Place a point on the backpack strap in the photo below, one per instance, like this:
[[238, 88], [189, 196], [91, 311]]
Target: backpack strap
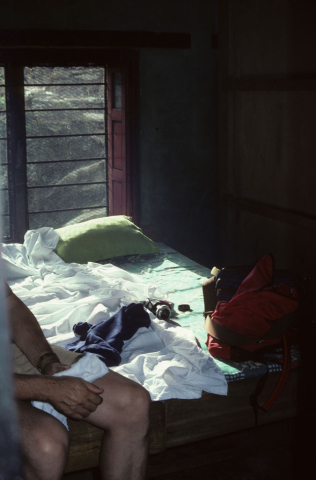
[[279, 387], [224, 334], [282, 324]]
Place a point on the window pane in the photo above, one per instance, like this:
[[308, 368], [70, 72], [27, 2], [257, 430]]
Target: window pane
[[1, 75], [4, 176], [71, 148], [5, 219], [73, 142], [117, 90], [2, 99], [59, 198], [3, 125], [74, 96], [5, 201], [61, 219], [64, 123], [5, 225], [3, 151], [68, 172], [58, 75]]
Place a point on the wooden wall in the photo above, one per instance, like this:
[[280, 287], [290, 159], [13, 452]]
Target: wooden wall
[[267, 135]]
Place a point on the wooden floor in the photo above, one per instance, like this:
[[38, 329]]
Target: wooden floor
[[265, 453]]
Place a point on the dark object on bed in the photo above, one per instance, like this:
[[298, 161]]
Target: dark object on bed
[[106, 339], [184, 307]]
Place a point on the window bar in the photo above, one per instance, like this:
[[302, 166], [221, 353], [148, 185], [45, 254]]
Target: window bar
[[16, 135], [62, 84], [64, 109], [69, 209], [67, 160], [66, 185], [67, 136], [106, 100]]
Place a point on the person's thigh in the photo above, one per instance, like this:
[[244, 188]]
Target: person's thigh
[[44, 441], [123, 399]]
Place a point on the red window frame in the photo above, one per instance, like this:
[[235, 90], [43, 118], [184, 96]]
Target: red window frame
[[118, 161], [122, 138]]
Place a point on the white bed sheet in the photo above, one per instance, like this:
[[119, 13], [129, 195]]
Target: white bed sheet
[[163, 358]]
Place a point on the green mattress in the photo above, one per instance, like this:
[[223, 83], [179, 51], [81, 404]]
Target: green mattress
[[178, 276], [181, 278]]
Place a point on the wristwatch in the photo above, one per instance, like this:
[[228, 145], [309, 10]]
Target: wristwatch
[[53, 359]]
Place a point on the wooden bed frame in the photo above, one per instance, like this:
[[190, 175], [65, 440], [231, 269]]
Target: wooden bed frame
[[177, 422], [181, 422]]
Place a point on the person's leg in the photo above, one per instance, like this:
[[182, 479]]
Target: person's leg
[[124, 415], [45, 443]]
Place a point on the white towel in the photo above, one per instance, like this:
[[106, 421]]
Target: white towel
[[89, 368]]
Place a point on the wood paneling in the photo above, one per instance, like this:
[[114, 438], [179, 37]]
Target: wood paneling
[[214, 415], [267, 141], [101, 39]]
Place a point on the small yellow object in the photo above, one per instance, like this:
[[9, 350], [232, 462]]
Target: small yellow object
[[215, 271]]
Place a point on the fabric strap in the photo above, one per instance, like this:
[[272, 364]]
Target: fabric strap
[[279, 387]]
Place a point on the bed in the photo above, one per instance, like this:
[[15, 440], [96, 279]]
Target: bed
[[209, 398]]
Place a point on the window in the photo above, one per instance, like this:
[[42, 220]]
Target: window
[[3, 158], [65, 148]]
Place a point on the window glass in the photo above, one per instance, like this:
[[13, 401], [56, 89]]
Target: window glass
[[66, 149], [117, 100], [59, 219], [2, 96], [5, 205], [60, 75], [64, 97], [3, 125], [65, 197], [3, 151], [65, 173], [63, 122], [2, 82]]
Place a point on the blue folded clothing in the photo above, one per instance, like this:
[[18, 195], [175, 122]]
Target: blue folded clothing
[[106, 339]]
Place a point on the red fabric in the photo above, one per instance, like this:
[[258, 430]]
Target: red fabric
[[222, 350], [259, 277], [253, 308]]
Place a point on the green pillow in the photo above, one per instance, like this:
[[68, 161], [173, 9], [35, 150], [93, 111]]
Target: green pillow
[[102, 238]]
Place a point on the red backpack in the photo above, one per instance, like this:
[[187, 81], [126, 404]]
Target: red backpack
[[261, 315]]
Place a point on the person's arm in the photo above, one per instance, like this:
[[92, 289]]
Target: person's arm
[[28, 336], [71, 396]]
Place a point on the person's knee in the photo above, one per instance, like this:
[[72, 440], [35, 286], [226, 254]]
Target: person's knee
[[136, 407], [54, 445], [48, 455]]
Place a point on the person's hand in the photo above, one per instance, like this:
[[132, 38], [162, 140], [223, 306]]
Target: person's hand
[[73, 396], [52, 368]]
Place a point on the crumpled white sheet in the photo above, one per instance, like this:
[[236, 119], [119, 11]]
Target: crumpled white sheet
[[89, 367], [163, 358]]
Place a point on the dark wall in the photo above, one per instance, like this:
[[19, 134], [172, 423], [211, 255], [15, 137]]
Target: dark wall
[[177, 107], [267, 69]]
